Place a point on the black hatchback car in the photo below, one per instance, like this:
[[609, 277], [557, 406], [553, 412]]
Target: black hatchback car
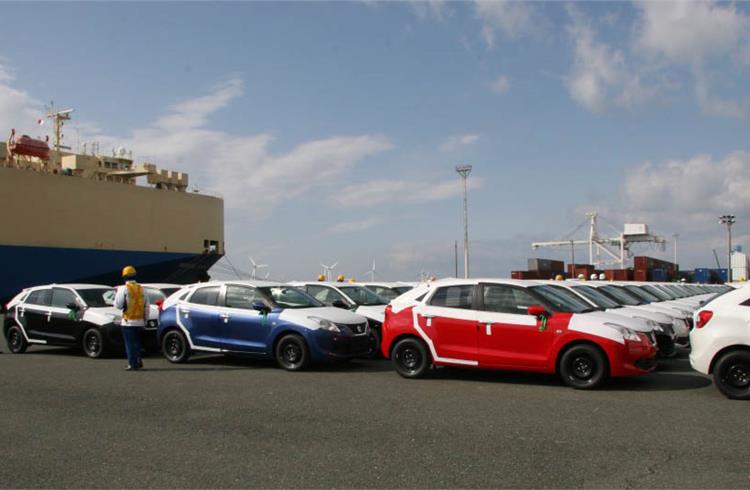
[[71, 315]]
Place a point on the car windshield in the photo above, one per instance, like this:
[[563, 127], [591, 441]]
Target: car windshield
[[362, 296], [574, 298], [597, 297], [642, 294], [97, 297], [560, 301], [658, 292], [621, 295], [290, 297], [384, 292], [154, 295]]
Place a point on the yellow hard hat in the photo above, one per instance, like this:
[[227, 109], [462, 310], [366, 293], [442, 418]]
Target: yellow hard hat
[[559, 277], [340, 278], [351, 279], [128, 270], [322, 277]]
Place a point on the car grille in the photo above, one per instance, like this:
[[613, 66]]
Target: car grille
[[352, 346], [357, 328], [667, 327]]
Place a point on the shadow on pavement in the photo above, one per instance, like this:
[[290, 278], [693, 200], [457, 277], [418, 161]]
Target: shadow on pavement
[[657, 381]]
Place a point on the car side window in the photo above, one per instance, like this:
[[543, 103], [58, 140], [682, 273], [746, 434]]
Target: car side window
[[454, 297], [501, 298], [61, 298], [206, 296], [242, 297], [41, 297]]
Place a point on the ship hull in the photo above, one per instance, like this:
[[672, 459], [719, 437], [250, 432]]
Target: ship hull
[[30, 266]]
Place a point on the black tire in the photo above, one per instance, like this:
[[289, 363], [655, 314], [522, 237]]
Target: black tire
[[374, 345], [292, 353], [93, 344], [667, 348], [583, 367], [732, 375], [16, 341], [411, 358], [175, 346]]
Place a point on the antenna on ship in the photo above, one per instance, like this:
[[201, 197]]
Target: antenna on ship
[[59, 118]]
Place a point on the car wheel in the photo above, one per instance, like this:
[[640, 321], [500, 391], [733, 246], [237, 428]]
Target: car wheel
[[93, 343], [292, 353], [583, 367], [175, 346], [410, 358], [16, 342], [732, 375], [667, 349], [374, 345]]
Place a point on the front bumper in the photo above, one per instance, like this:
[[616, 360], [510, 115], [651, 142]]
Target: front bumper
[[330, 346], [634, 358]]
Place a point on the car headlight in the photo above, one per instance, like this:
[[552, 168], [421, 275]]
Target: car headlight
[[626, 333], [651, 323], [325, 324]]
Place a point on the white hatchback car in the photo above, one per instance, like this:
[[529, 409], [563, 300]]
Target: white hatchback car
[[721, 342]]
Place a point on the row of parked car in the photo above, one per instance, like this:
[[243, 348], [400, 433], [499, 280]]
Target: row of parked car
[[585, 331]]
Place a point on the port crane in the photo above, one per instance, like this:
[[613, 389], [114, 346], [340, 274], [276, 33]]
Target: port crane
[[616, 249]]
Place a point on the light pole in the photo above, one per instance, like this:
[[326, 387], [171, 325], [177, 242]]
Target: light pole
[[728, 219], [464, 171], [675, 236]]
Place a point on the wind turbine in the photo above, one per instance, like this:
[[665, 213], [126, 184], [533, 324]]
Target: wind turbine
[[267, 275], [328, 270], [371, 272], [256, 267]]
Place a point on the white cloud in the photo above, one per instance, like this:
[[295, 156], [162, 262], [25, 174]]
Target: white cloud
[[243, 168], [431, 9], [686, 197], [354, 226], [511, 18], [401, 191], [600, 77], [457, 141], [18, 109], [693, 34], [689, 31], [501, 85]]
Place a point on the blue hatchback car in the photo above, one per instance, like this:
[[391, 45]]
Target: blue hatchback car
[[260, 319]]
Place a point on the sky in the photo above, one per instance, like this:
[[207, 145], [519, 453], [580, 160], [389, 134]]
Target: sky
[[332, 129]]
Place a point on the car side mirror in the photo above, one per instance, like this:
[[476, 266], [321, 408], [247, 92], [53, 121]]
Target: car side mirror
[[340, 304], [261, 307], [538, 310], [73, 306]]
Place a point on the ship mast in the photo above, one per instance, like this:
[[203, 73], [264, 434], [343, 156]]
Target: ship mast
[[58, 118]]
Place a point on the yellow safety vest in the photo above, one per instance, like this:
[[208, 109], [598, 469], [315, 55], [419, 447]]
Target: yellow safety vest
[[135, 308]]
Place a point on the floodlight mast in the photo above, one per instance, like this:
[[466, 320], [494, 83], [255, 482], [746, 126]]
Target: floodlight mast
[[464, 171], [729, 220]]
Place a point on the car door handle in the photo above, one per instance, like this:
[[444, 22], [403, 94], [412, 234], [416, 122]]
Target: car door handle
[[487, 327], [427, 316], [185, 311], [49, 316], [224, 316]]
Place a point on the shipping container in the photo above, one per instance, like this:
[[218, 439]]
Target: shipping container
[[641, 275], [619, 274]]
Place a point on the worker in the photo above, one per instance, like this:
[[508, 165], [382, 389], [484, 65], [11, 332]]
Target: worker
[[602, 276], [321, 277], [340, 278], [581, 277], [133, 303], [594, 277], [559, 277]]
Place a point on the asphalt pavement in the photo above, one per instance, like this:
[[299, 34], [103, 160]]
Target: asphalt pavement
[[69, 421]]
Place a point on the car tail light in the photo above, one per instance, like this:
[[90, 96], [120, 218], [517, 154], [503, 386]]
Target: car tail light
[[703, 317], [160, 304]]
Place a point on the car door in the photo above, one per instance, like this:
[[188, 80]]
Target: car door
[[244, 328], [200, 316], [35, 313], [61, 324], [508, 336], [448, 321]]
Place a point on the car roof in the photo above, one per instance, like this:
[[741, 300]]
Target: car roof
[[161, 285], [238, 282], [71, 286]]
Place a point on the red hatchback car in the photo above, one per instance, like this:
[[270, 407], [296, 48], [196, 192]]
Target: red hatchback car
[[506, 324]]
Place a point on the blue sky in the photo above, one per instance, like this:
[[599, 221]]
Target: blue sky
[[332, 129]]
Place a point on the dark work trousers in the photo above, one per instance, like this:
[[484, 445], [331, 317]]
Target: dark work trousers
[[132, 338]]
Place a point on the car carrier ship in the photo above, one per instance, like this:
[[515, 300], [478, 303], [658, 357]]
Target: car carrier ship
[[80, 217]]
